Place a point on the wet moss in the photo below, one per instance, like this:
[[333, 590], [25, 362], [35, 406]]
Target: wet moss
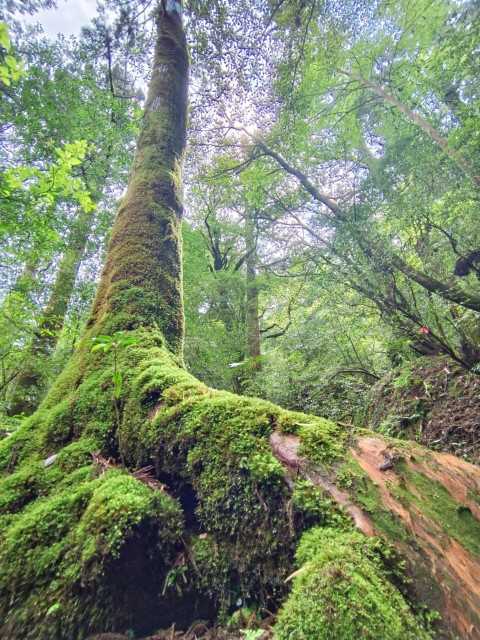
[[314, 506], [63, 526], [19, 488], [322, 441], [58, 425], [217, 442], [55, 553], [343, 591]]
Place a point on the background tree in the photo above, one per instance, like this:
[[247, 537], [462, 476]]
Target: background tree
[[105, 124]]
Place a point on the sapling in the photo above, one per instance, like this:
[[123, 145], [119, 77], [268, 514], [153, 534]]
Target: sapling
[[115, 342]]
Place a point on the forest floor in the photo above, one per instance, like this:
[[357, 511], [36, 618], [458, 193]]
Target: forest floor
[[434, 402], [198, 631]]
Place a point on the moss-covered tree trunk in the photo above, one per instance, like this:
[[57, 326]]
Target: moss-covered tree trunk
[[28, 389], [169, 501], [141, 281]]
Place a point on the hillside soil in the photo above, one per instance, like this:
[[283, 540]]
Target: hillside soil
[[435, 402]]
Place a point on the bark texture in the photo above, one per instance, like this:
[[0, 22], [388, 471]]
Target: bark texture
[[142, 277]]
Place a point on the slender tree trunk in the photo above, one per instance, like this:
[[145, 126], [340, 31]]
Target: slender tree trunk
[[252, 319], [28, 390]]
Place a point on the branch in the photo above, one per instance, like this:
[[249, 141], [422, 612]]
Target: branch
[[426, 127], [362, 371]]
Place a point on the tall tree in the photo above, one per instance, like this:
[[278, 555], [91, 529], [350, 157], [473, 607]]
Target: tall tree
[[212, 518]]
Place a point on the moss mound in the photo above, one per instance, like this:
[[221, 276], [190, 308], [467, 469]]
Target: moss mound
[[343, 591]]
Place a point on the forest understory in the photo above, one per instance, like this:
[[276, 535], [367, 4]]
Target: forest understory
[[434, 402]]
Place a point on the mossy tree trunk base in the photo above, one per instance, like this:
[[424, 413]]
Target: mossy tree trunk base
[[84, 551]]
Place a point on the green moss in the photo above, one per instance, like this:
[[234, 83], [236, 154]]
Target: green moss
[[475, 496], [69, 539], [211, 570], [118, 504], [322, 441], [57, 427], [291, 421], [218, 443], [181, 391], [70, 526], [367, 495], [73, 528], [315, 506], [344, 592], [436, 502], [19, 488]]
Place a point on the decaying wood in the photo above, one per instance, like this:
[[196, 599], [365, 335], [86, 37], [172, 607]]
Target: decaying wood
[[435, 555]]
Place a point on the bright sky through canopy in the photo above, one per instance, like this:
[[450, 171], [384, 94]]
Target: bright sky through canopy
[[68, 18]]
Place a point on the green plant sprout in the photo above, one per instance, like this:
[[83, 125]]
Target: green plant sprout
[[114, 342]]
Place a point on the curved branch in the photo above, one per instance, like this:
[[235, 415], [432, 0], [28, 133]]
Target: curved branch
[[424, 125]]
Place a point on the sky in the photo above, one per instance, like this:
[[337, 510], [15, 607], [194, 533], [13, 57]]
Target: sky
[[69, 17]]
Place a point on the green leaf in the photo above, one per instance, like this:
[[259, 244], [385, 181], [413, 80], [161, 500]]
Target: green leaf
[[103, 346], [10, 61], [4, 76], [4, 37], [54, 608]]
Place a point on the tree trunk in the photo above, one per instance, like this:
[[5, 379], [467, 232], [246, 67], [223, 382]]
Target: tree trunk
[[213, 490], [252, 320], [28, 390], [142, 276]]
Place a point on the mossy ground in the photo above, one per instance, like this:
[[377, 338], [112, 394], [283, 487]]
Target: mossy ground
[[224, 529]]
